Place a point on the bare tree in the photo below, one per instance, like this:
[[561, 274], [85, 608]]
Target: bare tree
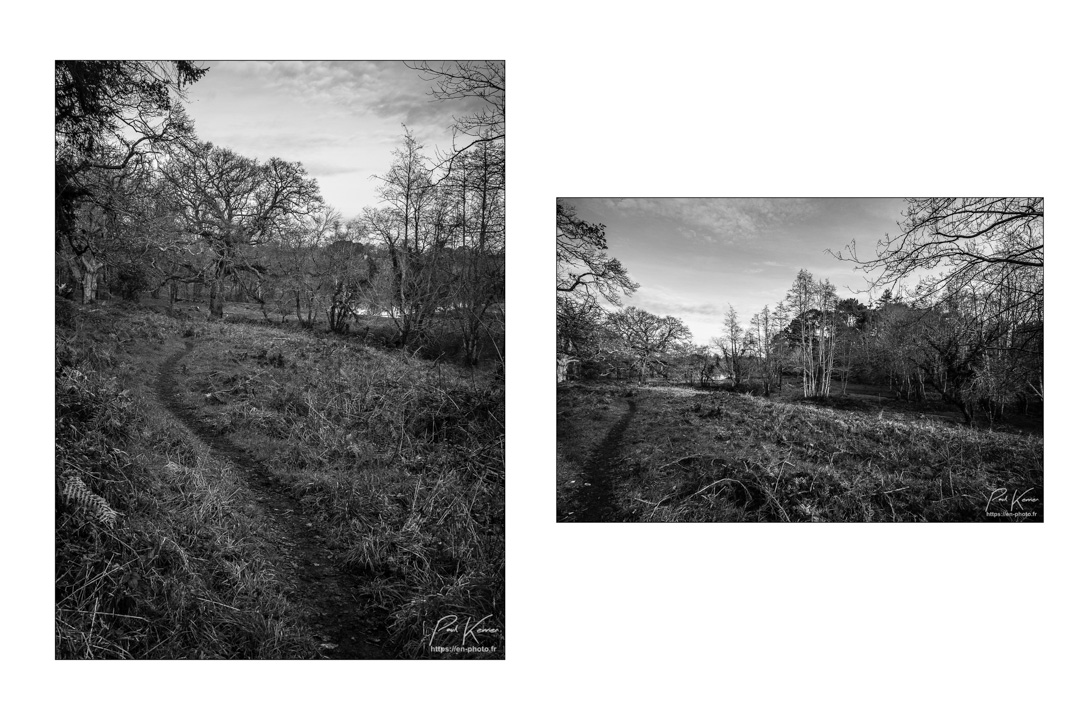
[[704, 363], [850, 322], [477, 257], [111, 229], [734, 345], [766, 327], [298, 274], [813, 329], [982, 351], [826, 299], [579, 327], [483, 81], [648, 336], [227, 202], [416, 226], [977, 264], [964, 238], [583, 265], [584, 274], [349, 271]]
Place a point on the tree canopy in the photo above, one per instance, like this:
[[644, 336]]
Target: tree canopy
[[648, 336], [225, 202], [109, 114]]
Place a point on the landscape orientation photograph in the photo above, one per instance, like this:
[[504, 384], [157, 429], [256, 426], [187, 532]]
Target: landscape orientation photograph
[[799, 360], [280, 360]]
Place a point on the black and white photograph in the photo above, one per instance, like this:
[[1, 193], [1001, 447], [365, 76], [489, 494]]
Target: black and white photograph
[[281, 428], [834, 360], [279, 359]]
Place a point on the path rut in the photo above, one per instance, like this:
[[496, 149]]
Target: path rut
[[595, 500], [330, 595]]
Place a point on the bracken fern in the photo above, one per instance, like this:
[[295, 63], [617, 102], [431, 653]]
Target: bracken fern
[[75, 493]]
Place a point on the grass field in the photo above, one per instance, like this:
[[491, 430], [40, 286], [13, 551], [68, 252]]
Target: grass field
[[222, 488], [443, 339], [678, 454]]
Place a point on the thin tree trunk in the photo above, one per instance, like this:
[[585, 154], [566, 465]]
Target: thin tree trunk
[[217, 299], [91, 273]]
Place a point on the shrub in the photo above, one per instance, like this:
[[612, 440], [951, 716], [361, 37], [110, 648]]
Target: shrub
[[130, 281]]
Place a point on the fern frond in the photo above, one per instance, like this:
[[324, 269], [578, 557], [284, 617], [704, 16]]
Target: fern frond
[[75, 492]]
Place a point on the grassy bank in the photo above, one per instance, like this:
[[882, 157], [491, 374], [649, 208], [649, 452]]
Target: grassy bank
[[689, 456], [399, 457], [163, 552], [155, 554]]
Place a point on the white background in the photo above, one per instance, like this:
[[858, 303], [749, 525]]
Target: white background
[[663, 99]]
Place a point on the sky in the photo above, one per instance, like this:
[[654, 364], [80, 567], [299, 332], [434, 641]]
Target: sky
[[342, 120], [694, 256]]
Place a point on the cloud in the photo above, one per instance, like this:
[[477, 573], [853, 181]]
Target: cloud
[[342, 120], [388, 90], [328, 169], [265, 137], [719, 220], [660, 301]]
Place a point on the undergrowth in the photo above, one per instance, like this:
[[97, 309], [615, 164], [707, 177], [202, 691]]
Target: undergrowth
[[399, 460], [400, 457], [690, 457], [154, 558]]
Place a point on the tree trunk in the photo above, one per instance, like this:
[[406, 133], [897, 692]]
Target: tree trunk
[[471, 345], [91, 273], [217, 299]]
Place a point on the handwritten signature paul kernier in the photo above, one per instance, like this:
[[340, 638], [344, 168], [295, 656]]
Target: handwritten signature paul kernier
[[452, 628], [1015, 501]]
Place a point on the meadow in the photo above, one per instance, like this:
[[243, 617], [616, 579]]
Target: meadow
[[253, 490], [679, 454]]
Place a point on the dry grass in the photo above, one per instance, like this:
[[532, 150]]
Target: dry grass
[[731, 457], [182, 571], [399, 459]]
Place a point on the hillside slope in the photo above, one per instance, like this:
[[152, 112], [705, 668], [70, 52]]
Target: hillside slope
[[240, 491]]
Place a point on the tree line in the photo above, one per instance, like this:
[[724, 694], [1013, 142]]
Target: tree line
[[144, 206], [966, 328]]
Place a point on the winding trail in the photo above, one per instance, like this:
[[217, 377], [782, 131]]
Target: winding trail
[[330, 596], [595, 500]]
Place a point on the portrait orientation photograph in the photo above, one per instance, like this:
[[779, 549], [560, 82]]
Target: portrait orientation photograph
[[279, 360], [799, 359]]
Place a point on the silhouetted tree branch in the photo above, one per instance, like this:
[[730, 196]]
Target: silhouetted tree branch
[[583, 265], [963, 238]]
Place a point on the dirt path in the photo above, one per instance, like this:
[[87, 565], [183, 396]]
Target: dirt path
[[595, 501], [329, 595]]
